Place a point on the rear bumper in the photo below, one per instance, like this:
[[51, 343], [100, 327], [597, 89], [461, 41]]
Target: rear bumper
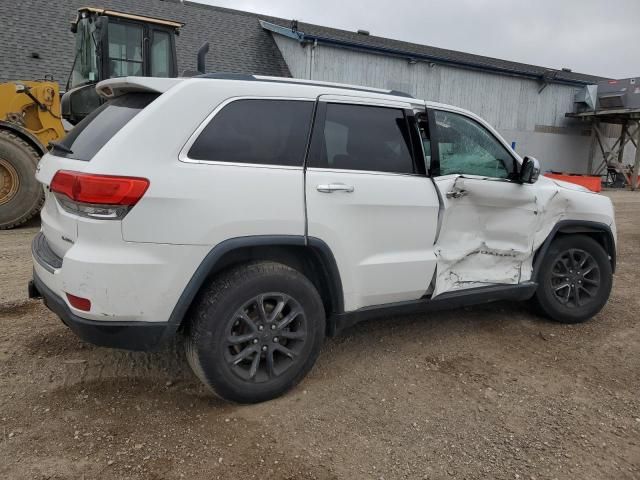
[[126, 282], [142, 336]]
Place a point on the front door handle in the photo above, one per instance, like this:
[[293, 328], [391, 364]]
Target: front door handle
[[457, 193], [335, 187]]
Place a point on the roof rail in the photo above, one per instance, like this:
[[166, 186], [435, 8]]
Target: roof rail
[[294, 81], [227, 76]]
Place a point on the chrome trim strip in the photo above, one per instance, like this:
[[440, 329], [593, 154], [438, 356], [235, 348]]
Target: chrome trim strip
[[364, 172]]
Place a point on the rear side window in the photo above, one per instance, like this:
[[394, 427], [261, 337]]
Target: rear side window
[[97, 128], [266, 132], [358, 137]]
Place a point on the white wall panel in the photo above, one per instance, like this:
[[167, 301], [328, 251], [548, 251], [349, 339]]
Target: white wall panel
[[512, 104]]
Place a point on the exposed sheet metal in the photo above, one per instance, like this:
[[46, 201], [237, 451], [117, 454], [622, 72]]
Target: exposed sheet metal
[[491, 233]]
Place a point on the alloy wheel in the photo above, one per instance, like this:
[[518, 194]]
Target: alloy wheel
[[575, 278], [265, 337]]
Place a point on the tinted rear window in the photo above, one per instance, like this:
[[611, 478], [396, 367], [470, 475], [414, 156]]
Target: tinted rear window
[[271, 132], [95, 130]]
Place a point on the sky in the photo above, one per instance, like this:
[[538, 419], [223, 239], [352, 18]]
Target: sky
[[597, 37]]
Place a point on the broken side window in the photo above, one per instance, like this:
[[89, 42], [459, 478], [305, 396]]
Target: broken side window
[[466, 147]]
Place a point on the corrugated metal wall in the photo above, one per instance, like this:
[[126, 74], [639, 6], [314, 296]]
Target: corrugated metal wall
[[535, 121]]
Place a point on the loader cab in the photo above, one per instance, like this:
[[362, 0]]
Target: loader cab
[[110, 44]]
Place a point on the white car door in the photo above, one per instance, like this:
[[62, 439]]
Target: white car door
[[369, 199], [489, 219]]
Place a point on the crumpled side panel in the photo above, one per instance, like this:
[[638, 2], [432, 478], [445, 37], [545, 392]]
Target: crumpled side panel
[[490, 235]]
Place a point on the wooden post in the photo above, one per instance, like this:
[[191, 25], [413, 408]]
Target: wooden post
[[636, 165], [592, 148], [623, 140]]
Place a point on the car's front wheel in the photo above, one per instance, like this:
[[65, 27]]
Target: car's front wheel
[[575, 279], [256, 332]]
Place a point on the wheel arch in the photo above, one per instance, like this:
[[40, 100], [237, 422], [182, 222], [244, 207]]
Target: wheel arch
[[600, 232], [312, 257], [25, 135]]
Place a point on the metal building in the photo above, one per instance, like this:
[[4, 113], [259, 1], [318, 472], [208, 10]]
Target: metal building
[[526, 103]]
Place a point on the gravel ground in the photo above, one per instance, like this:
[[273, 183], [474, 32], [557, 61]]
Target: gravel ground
[[491, 392]]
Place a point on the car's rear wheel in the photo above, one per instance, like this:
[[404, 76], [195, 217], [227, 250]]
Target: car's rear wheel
[[575, 279], [256, 332]]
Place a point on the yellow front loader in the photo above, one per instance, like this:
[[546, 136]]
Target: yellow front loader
[[108, 44], [29, 120]]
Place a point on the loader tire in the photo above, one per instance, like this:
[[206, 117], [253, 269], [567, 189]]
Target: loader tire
[[21, 196]]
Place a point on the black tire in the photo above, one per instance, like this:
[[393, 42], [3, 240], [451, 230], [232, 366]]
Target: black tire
[[575, 279], [21, 196], [216, 320]]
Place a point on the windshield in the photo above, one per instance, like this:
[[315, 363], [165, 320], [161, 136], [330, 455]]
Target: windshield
[[85, 69]]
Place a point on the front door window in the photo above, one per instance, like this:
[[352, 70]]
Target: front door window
[[467, 148]]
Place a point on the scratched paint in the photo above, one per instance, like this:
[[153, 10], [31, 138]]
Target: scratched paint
[[490, 234]]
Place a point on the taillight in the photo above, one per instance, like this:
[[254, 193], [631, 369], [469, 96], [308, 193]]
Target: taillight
[[97, 196]]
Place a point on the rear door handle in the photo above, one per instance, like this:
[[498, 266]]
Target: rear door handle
[[335, 187], [457, 193]]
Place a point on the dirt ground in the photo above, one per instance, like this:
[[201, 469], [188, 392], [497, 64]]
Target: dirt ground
[[490, 392]]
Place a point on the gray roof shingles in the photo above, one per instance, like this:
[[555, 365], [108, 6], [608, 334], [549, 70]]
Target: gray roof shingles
[[237, 41], [435, 52]]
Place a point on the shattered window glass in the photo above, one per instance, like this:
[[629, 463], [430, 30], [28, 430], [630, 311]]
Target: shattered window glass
[[468, 148]]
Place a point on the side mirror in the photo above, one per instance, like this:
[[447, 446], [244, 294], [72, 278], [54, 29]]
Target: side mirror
[[529, 171]]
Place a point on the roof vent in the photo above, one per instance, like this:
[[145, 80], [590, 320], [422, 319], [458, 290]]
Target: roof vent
[[565, 69], [363, 32]]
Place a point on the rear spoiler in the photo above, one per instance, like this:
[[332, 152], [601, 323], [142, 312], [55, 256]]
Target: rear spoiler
[[114, 87]]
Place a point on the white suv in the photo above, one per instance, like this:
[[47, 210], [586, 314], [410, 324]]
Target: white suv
[[256, 215]]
